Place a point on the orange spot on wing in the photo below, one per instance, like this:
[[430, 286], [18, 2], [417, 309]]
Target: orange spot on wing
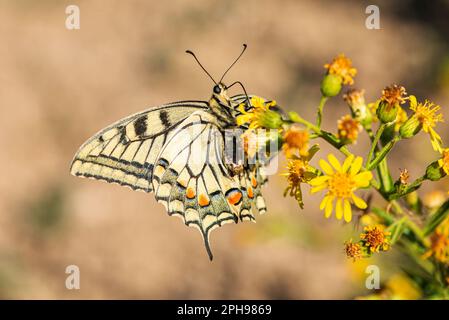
[[253, 182], [190, 193], [159, 171], [234, 197], [250, 192], [203, 200]]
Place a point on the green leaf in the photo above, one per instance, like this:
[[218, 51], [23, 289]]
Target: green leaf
[[312, 151], [437, 218]]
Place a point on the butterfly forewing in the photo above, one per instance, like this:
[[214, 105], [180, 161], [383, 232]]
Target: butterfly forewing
[[125, 151]]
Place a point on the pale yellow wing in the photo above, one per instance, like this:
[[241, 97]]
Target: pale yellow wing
[[125, 152]]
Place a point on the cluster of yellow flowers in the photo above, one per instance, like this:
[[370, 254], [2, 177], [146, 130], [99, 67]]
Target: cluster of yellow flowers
[[394, 116], [373, 239]]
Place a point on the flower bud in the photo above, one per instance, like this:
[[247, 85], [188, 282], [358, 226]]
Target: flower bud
[[356, 101], [387, 112], [271, 120], [410, 128], [434, 172], [331, 85]]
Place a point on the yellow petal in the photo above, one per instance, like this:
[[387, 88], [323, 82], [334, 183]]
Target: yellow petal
[[435, 140], [338, 210], [359, 202], [334, 162], [413, 102], [324, 202], [347, 163], [363, 179], [318, 188], [347, 212], [318, 180], [327, 169], [243, 119], [356, 165], [329, 207]]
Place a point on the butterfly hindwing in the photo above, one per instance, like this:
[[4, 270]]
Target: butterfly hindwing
[[192, 181], [125, 151]]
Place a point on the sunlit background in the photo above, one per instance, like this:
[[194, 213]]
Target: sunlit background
[[58, 87]]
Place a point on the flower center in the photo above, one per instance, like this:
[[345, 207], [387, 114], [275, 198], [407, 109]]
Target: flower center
[[375, 238], [341, 185]]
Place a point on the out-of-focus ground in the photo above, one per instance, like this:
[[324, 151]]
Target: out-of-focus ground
[[58, 87]]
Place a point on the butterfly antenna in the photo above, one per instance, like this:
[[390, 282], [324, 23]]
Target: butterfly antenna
[[194, 56], [235, 61]]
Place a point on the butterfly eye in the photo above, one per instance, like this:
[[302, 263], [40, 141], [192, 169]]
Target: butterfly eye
[[217, 89]]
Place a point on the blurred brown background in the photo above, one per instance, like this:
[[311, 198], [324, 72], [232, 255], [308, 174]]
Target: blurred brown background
[[58, 87]]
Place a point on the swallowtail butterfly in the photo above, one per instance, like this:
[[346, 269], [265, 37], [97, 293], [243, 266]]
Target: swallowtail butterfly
[[176, 151]]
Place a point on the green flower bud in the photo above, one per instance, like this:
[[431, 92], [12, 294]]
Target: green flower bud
[[410, 128], [270, 120], [331, 85], [387, 112], [434, 172]]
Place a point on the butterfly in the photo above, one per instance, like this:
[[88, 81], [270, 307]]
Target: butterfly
[[177, 151]]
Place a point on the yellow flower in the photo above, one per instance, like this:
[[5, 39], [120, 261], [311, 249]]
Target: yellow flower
[[400, 119], [401, 287], [348, 129], [368, 219], [372, 107], [353, 250], [341, 181], [444, 161], [393, 95], [342, 67], [260, 115], [427, 115], [434, 199], [390, 103], [439, 247], [295, 139], [298, 171], [375, 238]]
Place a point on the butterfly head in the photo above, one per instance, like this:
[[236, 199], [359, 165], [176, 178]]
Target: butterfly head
[[220, 94]]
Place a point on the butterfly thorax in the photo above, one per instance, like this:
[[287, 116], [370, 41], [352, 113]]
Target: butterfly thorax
[[220, 106]]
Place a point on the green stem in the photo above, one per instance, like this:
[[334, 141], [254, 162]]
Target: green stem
[[410, 188], [379, 132], [419, 234], [407, 248], [329, 137], [320, 111], [382, 154], [385, 177]]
